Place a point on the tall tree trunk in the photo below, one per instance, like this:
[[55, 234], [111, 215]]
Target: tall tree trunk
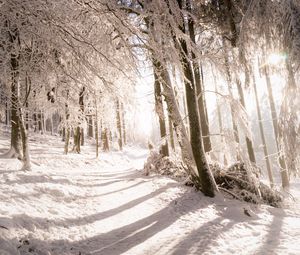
[[119, 124], [90, 124], [248, 140], [96, 127], [27, 88], [78, 131], [81, 106], [160, 112], [220, 122], [77, 135], [229, 84], [262, 134], [179, 127], [283, 169], [15, 142], [7, 113], [67, 140], [67, 129], [208, 185], [171, 134], [200, 92], [24, 136], [105, 140], [123, 124]]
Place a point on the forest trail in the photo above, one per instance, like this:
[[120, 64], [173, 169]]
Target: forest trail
[[76, 204]]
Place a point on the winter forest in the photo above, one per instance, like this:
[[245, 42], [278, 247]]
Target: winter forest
[[149, 127]]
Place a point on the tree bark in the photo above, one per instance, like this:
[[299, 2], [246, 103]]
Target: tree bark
[[160, 112], [90, 124], [77, 135], [123, 124], [96, 127], [179, 127], [105, 140], [119, 124], [248, 140], [283, 169], [171, 134], [208, 185], [15, 141], [262, 134], [24, 136], [220, 122], [67, 129], [200, 93], [229, 84]]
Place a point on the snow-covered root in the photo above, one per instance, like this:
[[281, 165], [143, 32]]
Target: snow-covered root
[[11, 153], [26, 166]]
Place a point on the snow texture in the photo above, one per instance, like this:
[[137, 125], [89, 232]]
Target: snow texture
[[76, 204]]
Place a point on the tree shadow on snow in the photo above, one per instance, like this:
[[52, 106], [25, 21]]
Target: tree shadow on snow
[[89, 219], [122, 239], [272, 239]]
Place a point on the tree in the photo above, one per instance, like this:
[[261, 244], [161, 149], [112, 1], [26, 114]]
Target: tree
[[159, 108]]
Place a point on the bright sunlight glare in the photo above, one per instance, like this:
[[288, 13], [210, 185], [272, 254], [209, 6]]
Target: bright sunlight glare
[[276, 58]]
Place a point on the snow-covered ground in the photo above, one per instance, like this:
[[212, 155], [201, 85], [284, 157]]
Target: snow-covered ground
[[76, 204]]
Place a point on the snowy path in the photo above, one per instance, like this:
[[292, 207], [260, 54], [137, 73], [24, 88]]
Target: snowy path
[[78, 205]]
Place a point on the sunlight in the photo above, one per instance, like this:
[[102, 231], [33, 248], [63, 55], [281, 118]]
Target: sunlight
[[276, 58]]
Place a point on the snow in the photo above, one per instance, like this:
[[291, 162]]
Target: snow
[[76, 204]]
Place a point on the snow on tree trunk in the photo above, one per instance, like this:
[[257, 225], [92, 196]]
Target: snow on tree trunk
[[119, 124], [248, 140], [15, 142], [283, 169], [262, 134], [171, 133], [159, 108], [208, 185], [123, 123], [200, 92], [105, 140], [24, 136]]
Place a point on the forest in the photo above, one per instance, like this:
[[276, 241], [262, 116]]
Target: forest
[[149, 127]]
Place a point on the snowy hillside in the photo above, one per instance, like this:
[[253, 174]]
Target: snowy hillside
[[76, 204]]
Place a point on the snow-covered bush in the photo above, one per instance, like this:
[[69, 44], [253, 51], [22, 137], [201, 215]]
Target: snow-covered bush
[[165, 166], [238, 181]]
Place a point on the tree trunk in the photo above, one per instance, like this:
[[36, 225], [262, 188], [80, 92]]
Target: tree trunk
[[81, 106], [105, 140], [27, 88], [15, 142], [200, 92], [67, 129], [90, 129], [119, 124], [77, 135], [179, 127], [123, 124], [262, 134], [25, 146], [229, 84], [208, 185], [171, 134], [67, 140], [248, 140], [283, 169], [96, 127], [7, 113], [82, 136], [160, 112], [220, 122]]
